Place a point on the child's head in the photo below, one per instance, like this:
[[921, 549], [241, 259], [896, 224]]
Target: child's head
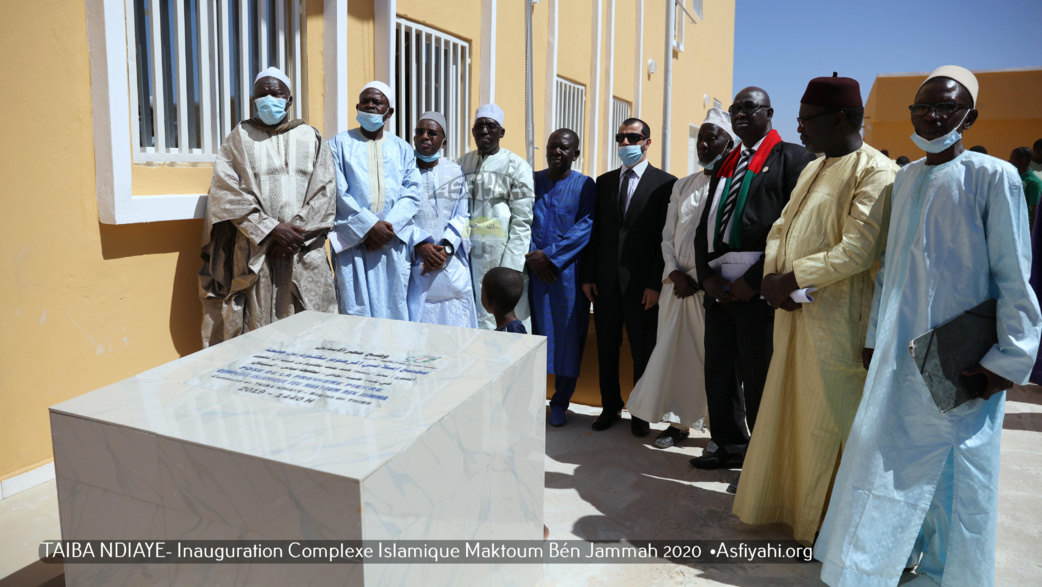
[[501, 288]]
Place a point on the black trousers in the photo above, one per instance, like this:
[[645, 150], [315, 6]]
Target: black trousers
[[613, 310], [739, 343]]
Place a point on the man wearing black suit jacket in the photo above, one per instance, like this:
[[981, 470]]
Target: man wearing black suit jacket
[[622, 270], [751, 189]]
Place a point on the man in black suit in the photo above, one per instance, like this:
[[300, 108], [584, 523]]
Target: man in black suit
[[748, 194], [622, 271]]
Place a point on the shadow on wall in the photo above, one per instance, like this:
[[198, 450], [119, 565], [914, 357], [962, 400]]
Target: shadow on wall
[[155, 238]]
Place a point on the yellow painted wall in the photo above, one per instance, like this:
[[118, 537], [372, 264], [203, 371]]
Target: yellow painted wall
[[88, 304], [1007, 118]]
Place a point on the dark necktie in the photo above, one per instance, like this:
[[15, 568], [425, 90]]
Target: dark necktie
[[624, 191], [732, 195]]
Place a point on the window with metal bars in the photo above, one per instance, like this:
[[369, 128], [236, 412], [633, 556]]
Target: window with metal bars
[[191, 68], [432, 74], [570, 111], [620, 110]]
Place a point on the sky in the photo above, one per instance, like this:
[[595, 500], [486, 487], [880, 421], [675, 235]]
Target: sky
[[781, 45]]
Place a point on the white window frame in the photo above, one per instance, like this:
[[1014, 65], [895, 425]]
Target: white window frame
[[451, 97], [110, 98], [215, 83], [570, 111], [681, 11], [620, 110]]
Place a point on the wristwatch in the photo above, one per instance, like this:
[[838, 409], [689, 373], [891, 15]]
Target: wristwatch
[[449, 249]]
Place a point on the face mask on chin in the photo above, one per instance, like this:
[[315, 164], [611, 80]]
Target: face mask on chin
[[370, 121], [940, 144], [711, 164], [428, 158]]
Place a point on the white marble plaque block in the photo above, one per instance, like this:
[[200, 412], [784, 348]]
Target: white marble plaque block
[[318, 427]]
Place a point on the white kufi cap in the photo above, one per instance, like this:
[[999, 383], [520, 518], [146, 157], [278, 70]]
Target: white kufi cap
[[382, 88], [436, 117], [959, 74], [490, 111], [722, 119], [275, 73]]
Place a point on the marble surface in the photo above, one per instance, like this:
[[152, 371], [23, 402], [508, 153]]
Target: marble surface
[[456, 455]]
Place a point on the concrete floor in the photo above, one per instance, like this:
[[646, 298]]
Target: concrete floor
[[609, 486]]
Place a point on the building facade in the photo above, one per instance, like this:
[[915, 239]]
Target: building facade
[[117, 108]]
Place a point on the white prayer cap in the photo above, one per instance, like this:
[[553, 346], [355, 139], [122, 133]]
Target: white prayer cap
[[380, 87], [490, 111], [275, 73], [436, 117], [959, 74], [722, 119]]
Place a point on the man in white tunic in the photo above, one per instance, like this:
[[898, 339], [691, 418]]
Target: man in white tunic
[[672, 388], [913, 481], [269, 209], [440, 290], [378, 193], [502, 196]]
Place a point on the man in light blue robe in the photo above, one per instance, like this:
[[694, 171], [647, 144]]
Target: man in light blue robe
[[440, 289], [564, 204], [378, 193], [917, 487]]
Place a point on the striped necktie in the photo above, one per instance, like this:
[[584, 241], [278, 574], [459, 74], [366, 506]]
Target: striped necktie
[[732, 195]]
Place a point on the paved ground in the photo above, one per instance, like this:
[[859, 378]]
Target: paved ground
[[609, 486]]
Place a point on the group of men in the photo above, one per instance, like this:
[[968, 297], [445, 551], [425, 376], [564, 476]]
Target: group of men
[[775, 291]]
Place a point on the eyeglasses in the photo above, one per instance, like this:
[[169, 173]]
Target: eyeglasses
[[942, 109], [632, 137], [423, 132], [801, 120], [747, 107], [489, 126]]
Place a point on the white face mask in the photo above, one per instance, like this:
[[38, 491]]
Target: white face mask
[[711, 164], [940, 143]]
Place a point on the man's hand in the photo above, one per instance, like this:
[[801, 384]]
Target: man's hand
[[379, 235], [683, 285], [590, 289], [541, 266], [789, 306], [741, 290], [714, 286], [995, 384], [649, 299], [777, 288], [288, 236], [866, 357], [433, 256]]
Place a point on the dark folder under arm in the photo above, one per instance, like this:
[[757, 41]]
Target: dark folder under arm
[[958, 345]]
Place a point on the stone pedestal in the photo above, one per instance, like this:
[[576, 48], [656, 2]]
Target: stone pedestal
[[317, 427]]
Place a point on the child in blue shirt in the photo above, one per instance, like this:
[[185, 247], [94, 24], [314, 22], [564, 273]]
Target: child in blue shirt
[[501, 288]]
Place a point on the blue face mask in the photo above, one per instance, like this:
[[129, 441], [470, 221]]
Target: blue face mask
[[270, 110], [428, 158], [369, 121], [940, 143], [711, 164], [630, 154]]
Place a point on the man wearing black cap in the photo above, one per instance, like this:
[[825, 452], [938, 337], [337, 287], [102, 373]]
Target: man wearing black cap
[[745, 198], [828, 239]]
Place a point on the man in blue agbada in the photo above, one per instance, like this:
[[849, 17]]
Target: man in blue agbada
[[378, 193], [564, 203], [917, 487]]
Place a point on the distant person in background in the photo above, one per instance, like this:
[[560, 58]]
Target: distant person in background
[[501, 288], [269, 209], [902, 161], [378, 194], [1021, 159], [979, 149], [501, 201], [1036, 158], [885, 152], [440, 289], [673, 387], [917, 487], [561, 227]]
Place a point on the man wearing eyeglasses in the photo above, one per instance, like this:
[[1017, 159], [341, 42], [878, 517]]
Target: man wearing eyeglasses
[[747, 195], [502, 196], [917, 487], [622, 265], [824, 251]]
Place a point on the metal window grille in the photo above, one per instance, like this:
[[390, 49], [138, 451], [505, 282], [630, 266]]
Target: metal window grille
[[433, 73], [571, 111], [191, 67], [620, 110]]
